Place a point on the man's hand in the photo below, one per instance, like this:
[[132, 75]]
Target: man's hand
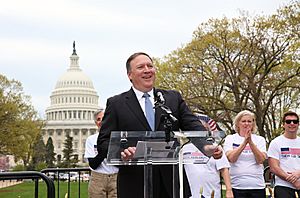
[[218, 153], [229, 193], [128, 153], [297, 185], [292, 177]]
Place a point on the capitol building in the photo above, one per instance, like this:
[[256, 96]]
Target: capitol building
[[73, 103]]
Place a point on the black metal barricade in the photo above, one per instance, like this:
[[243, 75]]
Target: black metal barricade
[[31, 175], [57, 172]]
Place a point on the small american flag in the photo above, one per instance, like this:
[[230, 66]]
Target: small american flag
[[247, 148], [193, 154], [234, 145], [212, 124], [293, 151]]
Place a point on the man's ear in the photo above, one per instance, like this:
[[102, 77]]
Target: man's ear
[[129, 76]]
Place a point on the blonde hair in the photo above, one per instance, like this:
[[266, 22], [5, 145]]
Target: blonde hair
[[239, 116]]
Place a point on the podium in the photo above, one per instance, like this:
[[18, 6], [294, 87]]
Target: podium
[[153, 148]]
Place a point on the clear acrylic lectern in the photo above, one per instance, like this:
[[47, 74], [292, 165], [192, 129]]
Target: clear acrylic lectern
[[152, 148]]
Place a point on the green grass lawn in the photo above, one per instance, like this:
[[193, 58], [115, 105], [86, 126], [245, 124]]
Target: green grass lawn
[[26, 190]]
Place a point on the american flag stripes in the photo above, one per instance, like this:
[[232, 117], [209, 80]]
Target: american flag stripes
[[212, 124], [292, 151]]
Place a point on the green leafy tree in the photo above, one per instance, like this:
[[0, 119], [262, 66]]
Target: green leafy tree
[[68, 152], [244, 63], [50, 154], [38, 154], [40, 166], [31, 132], [20, 126], [19, 167]]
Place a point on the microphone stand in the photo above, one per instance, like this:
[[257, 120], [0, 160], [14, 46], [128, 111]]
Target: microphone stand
[[167, 118]]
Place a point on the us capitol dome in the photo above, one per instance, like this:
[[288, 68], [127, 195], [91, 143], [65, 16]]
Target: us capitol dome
[[73, 103]]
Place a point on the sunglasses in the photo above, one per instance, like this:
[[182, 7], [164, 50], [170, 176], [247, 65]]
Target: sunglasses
[[99, 119], [290, 121]]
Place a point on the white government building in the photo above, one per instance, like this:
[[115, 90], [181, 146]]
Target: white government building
[[73, 103]]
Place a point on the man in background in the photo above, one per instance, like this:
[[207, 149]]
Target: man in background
[[284, 158], [103, 180]]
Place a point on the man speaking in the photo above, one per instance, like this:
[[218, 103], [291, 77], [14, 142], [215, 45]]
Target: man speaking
[[133, 111]]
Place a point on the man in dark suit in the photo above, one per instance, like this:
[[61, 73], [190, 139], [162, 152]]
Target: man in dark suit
[[126, 112]]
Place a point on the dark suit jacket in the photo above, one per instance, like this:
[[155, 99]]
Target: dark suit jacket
[[123, 113]]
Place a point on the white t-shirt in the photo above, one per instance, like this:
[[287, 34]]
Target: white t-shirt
[[245, 173], [91, 151], [287, 151], [207, 175]]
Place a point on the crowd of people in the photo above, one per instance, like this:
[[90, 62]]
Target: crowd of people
[[239, 162]]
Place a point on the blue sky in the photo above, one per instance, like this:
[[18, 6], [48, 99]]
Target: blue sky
[[36, 37]]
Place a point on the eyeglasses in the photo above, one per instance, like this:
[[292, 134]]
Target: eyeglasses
[[98, 119], [290, 121]]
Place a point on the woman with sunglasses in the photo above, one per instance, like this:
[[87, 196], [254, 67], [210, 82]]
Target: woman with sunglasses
[[246, 153], [284, 158]]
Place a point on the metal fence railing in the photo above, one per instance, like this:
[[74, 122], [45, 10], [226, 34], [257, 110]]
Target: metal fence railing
[[57, 176], [34, 176]]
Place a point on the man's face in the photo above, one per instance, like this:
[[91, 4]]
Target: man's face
[[142, 73], [289, 125], [99, 119]]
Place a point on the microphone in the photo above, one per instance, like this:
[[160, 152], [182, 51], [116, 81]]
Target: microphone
[[160, 97]]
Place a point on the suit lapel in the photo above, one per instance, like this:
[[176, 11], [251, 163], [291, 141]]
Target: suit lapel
[[136, 109]]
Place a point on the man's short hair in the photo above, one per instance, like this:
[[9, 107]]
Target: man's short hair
[[133, 56], [96, 113], [289, 113]]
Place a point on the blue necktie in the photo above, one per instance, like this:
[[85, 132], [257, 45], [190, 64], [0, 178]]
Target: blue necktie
[[149, 111]]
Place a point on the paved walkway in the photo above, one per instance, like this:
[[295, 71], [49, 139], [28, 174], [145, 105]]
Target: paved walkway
[[6, 183]]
